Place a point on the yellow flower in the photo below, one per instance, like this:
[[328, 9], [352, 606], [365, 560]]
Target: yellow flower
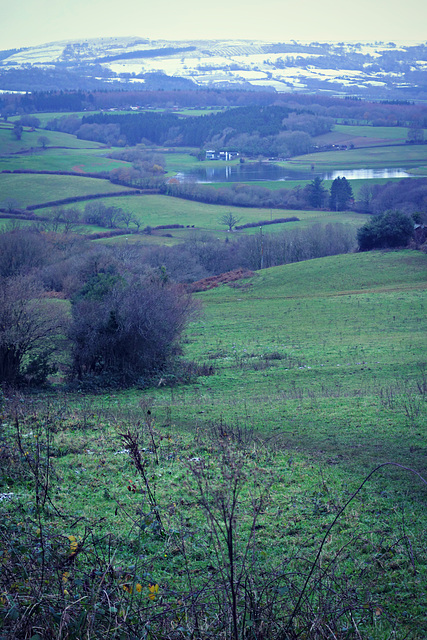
[[138, 587]]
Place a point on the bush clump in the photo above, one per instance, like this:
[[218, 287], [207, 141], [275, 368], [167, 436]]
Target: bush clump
[[127, 331], [387, 231]]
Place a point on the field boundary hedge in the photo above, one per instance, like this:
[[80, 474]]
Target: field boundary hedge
[[263, 223], [98, 176], [17, 214], [93, 196]]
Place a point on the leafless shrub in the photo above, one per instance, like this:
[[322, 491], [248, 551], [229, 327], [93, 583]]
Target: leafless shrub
[[65, 587], [30, 329], [220, 494], [406, 396]]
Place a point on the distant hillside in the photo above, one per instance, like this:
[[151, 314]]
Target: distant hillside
[[366, 70]]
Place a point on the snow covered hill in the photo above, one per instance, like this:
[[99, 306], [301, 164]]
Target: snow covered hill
[[379, 70]]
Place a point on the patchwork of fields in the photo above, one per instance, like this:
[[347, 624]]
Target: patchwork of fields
[[311, 375]]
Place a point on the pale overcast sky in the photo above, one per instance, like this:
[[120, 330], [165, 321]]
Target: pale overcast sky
[[30, 22]]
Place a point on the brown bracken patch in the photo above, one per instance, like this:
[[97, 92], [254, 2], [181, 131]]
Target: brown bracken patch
[[223, 278]]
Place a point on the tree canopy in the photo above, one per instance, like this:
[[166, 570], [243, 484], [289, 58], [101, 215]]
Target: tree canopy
[[341, 194], [389, 230]]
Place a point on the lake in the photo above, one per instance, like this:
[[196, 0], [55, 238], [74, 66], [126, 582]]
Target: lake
[[260, 171]]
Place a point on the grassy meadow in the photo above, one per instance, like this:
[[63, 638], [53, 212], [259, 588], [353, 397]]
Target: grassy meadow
[[53, 159], [30, 140], [364, 136], [29, 189], [45, 117], [318, 375], [399, 156], [156, 210]]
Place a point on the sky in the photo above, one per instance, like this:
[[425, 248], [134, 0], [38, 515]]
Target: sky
[[25, 23]]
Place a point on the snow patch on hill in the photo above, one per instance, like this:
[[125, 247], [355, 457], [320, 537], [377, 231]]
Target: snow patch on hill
[[282, 66]]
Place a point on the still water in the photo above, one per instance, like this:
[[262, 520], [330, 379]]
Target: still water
[[254, 171]]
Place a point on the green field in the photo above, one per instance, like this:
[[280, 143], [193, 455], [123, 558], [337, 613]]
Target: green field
[[45, 117], [359, 291], [378, 133], [319, 376], [156, 210], [408, 156], [363, 136], [78, 160], [28, 189], [8, 223], [29, 141]]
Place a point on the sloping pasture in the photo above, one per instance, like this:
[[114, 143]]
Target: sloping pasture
[[156, 210], [30, 189], [400, 156], [29, 140], [363, 136], [50, 159], [318, 376]]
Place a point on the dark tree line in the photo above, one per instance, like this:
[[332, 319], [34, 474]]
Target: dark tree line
[[390, 113], [408, 195], [253, 130], [169, 128], [202, 255], [314, 194], [241, 195]]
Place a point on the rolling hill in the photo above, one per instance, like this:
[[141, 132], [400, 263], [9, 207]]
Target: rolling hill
[[368, 70]]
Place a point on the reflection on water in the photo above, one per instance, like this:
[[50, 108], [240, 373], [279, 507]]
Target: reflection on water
[[254, 171], [367, 174]]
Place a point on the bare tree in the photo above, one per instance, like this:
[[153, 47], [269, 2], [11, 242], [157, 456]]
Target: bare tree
[[30, 327], [10, 204], [22, 250], [43, 141], [229, 219], [63, 219], [97, 213], [129, 218], [416, 132]]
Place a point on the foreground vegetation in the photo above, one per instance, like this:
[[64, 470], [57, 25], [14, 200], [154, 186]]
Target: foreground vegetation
[[226, 508]]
